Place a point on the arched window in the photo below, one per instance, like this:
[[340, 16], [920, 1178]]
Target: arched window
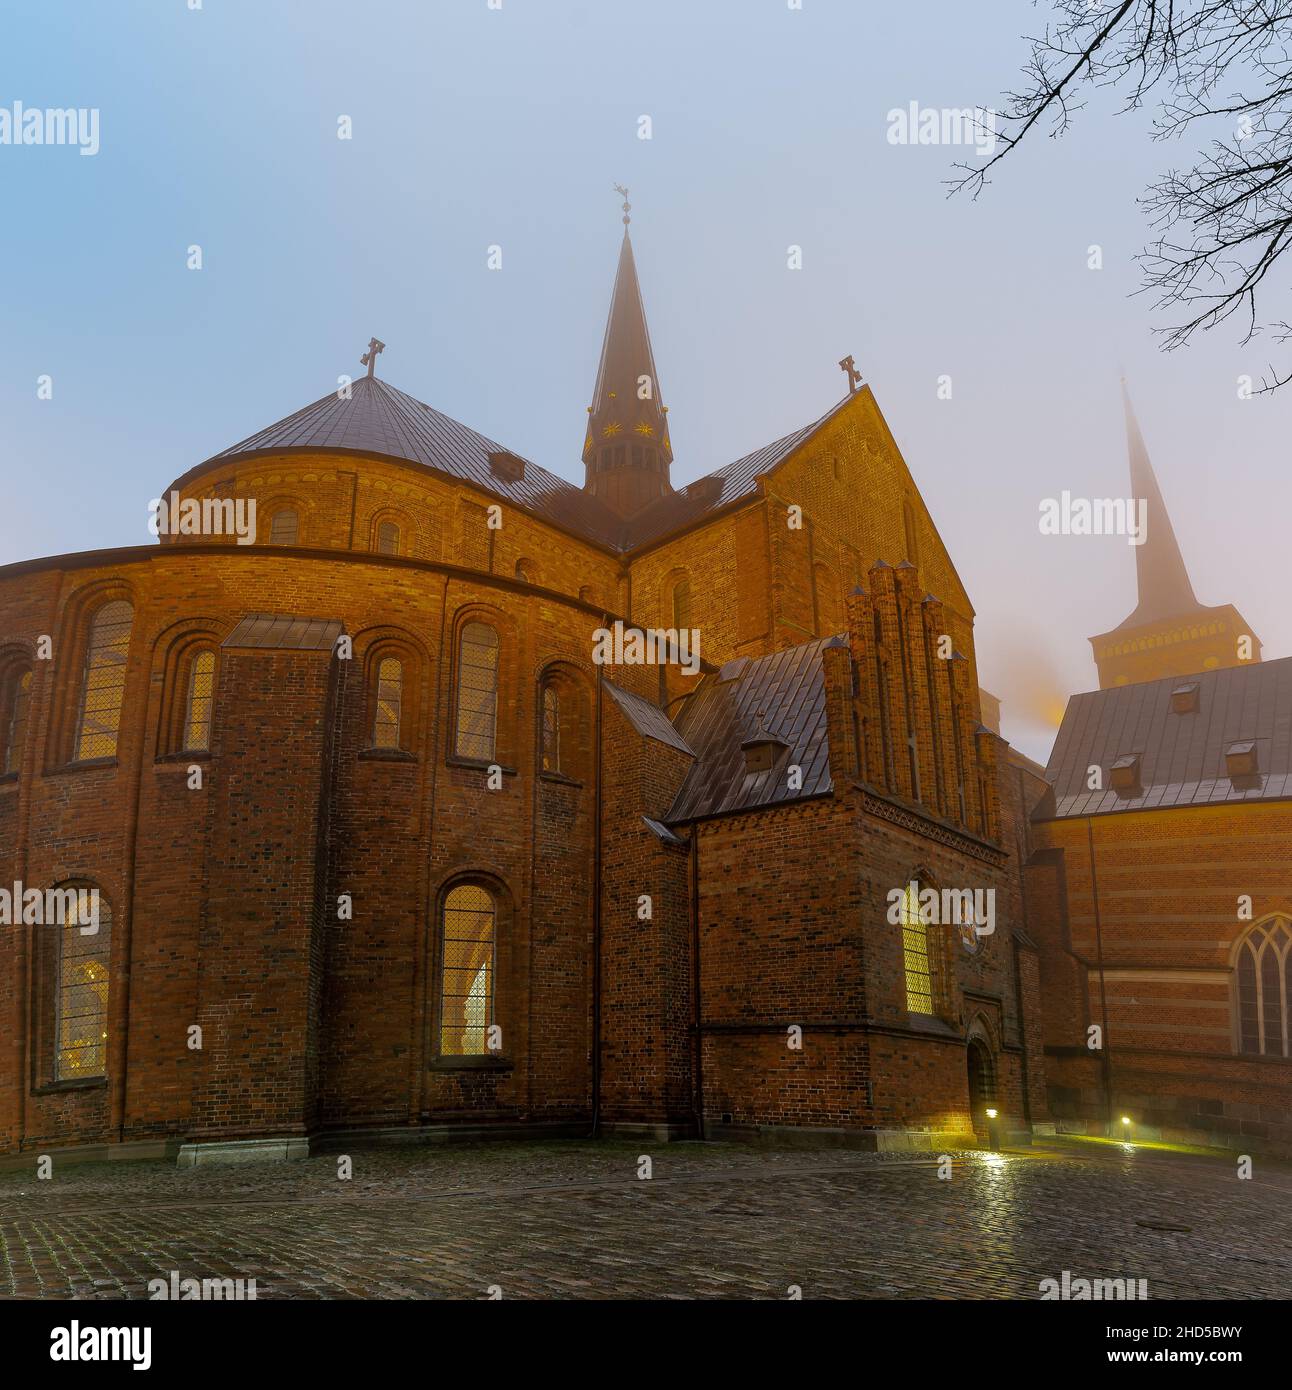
[[104, 684], [284, 527], [389, 696], [477, 692], [199, 702], [682, 603], [17, 704], [916, 953], [1264, 989], [81, 993], [527, 571], [388, 538], [467, 971], [551, 729]]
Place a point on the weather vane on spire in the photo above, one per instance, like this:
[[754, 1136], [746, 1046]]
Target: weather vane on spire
[[619, 188]]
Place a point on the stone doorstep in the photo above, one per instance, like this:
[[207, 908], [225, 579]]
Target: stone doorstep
[[132, 1151], [228, 1151]]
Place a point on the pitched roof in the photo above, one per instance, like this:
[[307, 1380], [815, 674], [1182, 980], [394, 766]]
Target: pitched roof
[[382, 421], [379, 419], [649, 720], [782, 695], [1181, 756]]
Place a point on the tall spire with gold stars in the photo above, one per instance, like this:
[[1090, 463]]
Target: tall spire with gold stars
[[626, 448]]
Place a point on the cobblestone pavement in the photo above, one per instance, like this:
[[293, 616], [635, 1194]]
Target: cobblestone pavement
[[562, 1220]]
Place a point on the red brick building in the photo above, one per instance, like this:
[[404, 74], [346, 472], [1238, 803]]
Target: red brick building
[[1160, 886], [380, 847]]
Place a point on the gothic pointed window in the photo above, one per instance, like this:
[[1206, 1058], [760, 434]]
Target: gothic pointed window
[[467, 971], [284, 527], [916, 954], [387, 703], [1263, 972], [199, 703], [388, 538], [17, 705], [104, 682], [551, 729], [81, 990], [477, 721]]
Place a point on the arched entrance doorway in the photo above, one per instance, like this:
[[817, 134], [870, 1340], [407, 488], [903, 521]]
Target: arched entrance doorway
[[982, 1082]]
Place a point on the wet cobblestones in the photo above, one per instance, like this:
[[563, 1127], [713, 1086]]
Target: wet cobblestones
[[573, 1220]]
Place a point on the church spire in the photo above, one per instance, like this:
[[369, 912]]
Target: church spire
[[1170, 633], [626, 449], [1164, 587]]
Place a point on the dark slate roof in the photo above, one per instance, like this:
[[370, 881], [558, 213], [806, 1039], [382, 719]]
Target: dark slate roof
[[380, 420], [649, 720], [283, 631], [1181, 756], [783, 695]]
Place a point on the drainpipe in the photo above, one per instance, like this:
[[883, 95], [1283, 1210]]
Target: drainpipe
[[698, 1091], [1105, 1053], [596, 916]]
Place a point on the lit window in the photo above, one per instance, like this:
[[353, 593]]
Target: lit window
[[682, 604], [388, 538], [16, 735], [81, 1024], [477, 692], [284, 528], [466, 972], [390, 688], [105, 681], [200, 702], [915, 949], [551, 730], [1264, 973]]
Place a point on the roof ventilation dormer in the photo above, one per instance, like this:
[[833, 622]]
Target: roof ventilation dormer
[[1241, 762], [762, 749], [1184, 698], [504, 464], [1125, 775]]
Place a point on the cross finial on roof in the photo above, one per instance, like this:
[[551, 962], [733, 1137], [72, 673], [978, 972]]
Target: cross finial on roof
[[854, 376], [619, 188], [369, 358]]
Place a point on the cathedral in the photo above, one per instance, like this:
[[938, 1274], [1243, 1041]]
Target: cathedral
[[390, 840]]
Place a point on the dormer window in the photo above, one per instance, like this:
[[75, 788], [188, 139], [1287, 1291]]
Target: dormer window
[[1184, 698], [762, 751], [1126, 774], [1241, 760], [507, 465]]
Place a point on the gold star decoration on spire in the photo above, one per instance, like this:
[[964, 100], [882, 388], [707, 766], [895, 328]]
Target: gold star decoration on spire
[[610, 430], [643, 428]]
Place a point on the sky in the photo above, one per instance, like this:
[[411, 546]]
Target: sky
[[475, 126]]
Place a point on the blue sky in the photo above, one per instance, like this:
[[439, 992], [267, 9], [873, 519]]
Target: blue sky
[[474, 126]]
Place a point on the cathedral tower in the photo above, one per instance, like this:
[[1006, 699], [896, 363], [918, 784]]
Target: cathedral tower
[[1170, 633], [626, 449]]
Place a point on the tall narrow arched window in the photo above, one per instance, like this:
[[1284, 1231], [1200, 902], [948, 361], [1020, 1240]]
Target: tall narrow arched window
[[467, 971], [916, 954], [388, 538], [682, 603], [284, 527], [387, 703], [81, 988], [477, 692], [199, 702], [551, 729], [104, 683], [1264, 989], [17, 705], [912, 533]]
